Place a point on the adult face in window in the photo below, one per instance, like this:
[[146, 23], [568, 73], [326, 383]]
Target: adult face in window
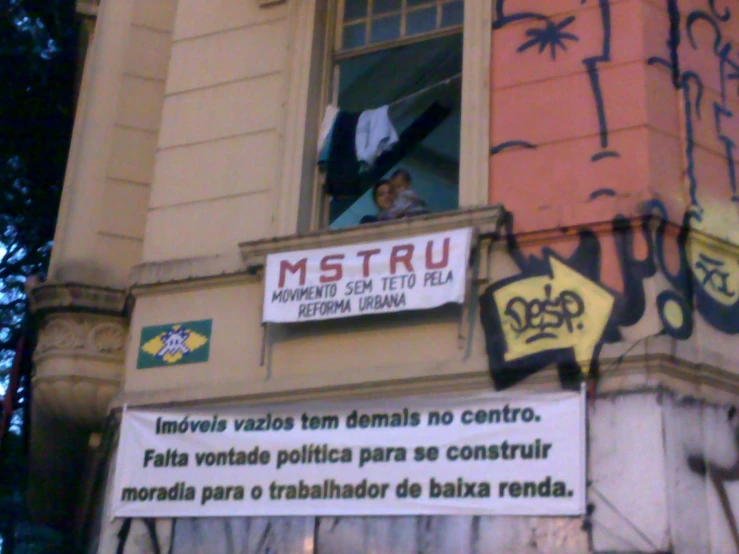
[[383, 196]]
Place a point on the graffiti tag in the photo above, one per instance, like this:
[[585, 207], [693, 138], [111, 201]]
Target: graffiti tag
[[547, 316], [562, 310], [713, 275]]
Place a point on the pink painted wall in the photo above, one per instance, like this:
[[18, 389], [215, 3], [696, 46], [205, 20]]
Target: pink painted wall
[[612, 148], [607, 108], [605, 120]]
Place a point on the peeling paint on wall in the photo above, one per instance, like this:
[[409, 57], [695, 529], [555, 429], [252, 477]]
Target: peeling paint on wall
[[702, 453]]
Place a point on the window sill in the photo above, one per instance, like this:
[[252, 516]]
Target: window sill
[[485, 220]]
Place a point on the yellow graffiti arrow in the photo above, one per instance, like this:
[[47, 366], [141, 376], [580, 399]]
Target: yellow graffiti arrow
[[564, 310]]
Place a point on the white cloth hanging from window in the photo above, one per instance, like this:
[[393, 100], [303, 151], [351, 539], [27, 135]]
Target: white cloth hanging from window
[[375, 134]]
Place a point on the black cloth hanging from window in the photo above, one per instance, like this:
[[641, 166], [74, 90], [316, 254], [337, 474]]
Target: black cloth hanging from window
[[342, 170]]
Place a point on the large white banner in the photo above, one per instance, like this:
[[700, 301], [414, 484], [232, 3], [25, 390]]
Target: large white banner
[[474, 454], [378, 277]]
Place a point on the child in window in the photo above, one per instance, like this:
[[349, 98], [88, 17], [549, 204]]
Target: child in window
[[407, 201]]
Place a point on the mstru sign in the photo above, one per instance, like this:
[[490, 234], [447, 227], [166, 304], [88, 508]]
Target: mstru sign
[[390, 276]]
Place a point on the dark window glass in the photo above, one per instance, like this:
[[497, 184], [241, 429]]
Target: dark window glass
[[421, 21], [452, 14], [354, 9], [354, 35], [385, 6], [385, 28]]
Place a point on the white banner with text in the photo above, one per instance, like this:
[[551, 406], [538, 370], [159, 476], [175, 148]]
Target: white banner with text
[[493, 453], [379, 277]]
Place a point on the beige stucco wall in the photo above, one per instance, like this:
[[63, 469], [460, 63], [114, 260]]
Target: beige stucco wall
[[218, 149], [335, 353], [197, 129], [103, 210]]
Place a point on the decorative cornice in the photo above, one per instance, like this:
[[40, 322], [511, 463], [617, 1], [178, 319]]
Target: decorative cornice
[[73, 297], [59, 334], [107, 338], [81, 334], [78, 365], [630, 374], [184, 270]]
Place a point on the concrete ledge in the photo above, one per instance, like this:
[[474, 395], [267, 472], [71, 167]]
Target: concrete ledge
[[485, 220], [72, 297], [184, 270], [631, 374]]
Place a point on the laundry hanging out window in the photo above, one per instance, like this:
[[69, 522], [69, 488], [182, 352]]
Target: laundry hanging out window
[[367, 22], [405, 55]]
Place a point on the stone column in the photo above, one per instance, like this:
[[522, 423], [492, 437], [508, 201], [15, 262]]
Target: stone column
[[82, 204]]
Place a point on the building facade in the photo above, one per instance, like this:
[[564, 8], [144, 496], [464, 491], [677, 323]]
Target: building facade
[[587, 144]]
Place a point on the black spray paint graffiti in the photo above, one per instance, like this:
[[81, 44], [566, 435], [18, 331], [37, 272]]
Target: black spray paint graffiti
[[703, 276], [551, 36], [564, 299], [719, 477], [578, 320], [712, 289], [691, 84], [695, 284], [151, 530], [545, 316], [714, 275]]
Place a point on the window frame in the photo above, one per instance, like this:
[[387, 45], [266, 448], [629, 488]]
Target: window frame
[[299, 198], [402, 40]]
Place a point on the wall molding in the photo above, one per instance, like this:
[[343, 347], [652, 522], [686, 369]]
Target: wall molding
[[54, 296], [80, 350], [634, 374]]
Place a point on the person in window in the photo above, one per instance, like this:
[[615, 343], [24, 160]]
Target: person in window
[[407, 202], [382, 194]]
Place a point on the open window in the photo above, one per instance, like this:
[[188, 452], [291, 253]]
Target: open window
[[406, 56]]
